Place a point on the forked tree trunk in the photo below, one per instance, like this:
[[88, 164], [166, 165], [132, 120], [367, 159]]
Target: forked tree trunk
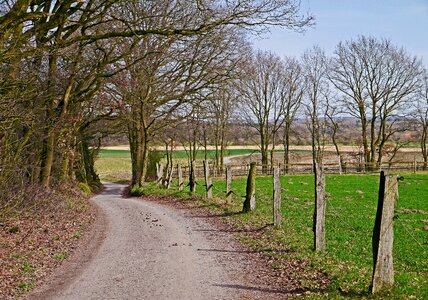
[[287, 146]]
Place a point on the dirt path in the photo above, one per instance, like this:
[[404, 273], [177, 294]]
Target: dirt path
[[152, 251]]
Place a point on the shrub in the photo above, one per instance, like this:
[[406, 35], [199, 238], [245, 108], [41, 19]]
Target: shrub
[[154, 157], [136, 190]]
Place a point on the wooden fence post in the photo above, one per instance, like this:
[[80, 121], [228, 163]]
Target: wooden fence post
[[383, 233], [320, 208], [276, 198], [169, 176], [180, 177], [208, 182], [415, 165], [250, 197], [228, 183], [192, 177]]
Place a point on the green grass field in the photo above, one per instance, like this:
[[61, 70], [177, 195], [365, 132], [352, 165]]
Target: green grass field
[[104, 153], [115, 165], [351, 210]]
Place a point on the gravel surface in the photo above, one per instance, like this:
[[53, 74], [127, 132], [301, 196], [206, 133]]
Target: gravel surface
[[152, 251]]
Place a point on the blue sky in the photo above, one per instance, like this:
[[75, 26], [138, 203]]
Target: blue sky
[[404, 22]]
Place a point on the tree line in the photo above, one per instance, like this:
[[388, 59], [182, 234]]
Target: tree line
[[73, 72], [379, 86]]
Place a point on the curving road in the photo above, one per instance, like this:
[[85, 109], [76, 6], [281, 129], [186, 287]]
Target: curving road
[[138, 249], [150, 252]]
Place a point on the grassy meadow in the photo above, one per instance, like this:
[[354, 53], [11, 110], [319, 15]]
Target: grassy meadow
[[351, 210], [115, 165]]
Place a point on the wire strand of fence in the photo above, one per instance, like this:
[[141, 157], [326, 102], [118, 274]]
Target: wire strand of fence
[[418, 243], [416, 179], [214, 188], [340, 218]]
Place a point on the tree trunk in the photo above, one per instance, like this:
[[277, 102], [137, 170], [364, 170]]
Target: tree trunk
[[264, 150], [336, 147], [217, 142], [423, 142], [139, 148], [222, 148], [64, 167], [144, 157], [286, 147], [49, 143], [86, 172], [48, 157], [272, 154], [365, 141]]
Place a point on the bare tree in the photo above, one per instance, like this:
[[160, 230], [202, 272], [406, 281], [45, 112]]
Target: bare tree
[[166, 81], [260, 90], [316, 92], [222, 106], [377, 79], [333, 112], [422, 116], [292, 94]]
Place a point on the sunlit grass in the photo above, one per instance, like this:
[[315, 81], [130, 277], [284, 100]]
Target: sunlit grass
[[352, 202], [114, 166]]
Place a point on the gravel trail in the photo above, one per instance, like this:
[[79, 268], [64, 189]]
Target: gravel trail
[[150, 252]]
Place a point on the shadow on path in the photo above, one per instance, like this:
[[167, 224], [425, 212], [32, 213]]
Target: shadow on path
[[229, 214], [266, 290], [113, 189], [236, 230], [246, 251]]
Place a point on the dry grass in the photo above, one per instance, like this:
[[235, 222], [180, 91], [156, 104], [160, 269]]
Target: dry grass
[[37, 234]]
